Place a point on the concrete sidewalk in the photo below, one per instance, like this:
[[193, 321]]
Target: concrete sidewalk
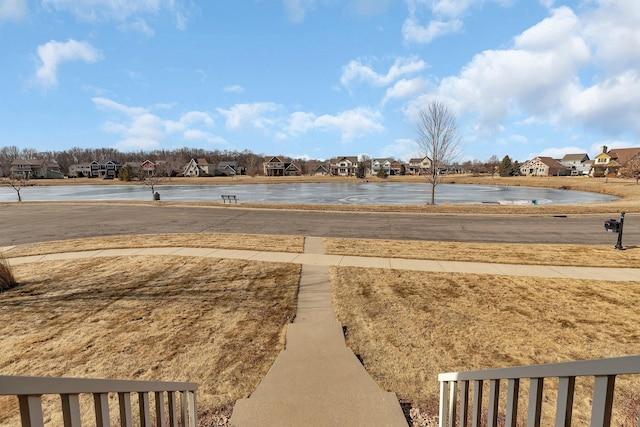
[[316, 380], [590, 273]]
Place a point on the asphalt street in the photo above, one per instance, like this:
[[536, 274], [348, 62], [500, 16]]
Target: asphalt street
[[31, 223]]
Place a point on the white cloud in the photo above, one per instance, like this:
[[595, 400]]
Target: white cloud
[[13, 10], [596, 148], [350, 124], [233, 89], [297, 9], [536, 77], [356, 71], [259, 115], [140, 25], [558, 153], [405, 89], [403, 149], [54, 53], [414, 32], [141, 129]]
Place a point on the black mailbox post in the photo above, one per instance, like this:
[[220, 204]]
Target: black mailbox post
[[615, 226]]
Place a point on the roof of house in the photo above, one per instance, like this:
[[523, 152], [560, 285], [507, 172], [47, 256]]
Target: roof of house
[[580, 157], [228, 164], [552, 163], [623, 155], [352, 159]]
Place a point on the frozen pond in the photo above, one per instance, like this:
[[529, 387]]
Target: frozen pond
[[312, 193]]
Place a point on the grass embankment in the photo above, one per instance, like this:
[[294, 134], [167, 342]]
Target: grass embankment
[[504, 253], [258, 242], [410, 326], [219, 323]]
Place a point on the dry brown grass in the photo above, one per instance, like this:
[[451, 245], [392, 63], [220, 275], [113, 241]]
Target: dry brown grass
[[410, 326], [504, 253], [261, 242], [7, 280], [217, 322]]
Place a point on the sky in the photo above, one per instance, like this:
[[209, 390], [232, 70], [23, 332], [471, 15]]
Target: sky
[[320, 78]]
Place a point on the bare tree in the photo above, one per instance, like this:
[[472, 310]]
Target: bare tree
[[439, 139], [493, 165], [15, 182], [155, 177], [632, 169]]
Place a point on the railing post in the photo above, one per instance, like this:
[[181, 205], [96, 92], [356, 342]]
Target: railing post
[[71, 410], [513, 391], [602, 401], [535, 402], [477, 403], [173, 410], [444, 396], [31, 411], [464, 403], [143, 403], [101, 403], [453, 388], [160, 418], [126, 415], [564, 408], [494, 397]]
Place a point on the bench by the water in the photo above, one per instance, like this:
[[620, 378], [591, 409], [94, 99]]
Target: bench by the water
[[229, 198]]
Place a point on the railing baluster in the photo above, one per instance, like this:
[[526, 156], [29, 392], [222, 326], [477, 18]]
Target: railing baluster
[[477, 403], [193, 408], [564, 408], [464, 403], [126, 415], [183, 408], [535, 402], [173, 411], [444, 404], [602, 401], [494, 397], [143, 403], [31, 411], [453, 399], [101, 403], [71, 410], [160, 418], [513, 391]]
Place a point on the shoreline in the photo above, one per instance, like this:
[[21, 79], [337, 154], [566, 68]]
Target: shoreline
[[625, 189]]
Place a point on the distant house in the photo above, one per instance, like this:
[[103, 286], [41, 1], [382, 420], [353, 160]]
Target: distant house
[[607, 163], [343, 166], [419, 166], [395, 168], [377, 164], [199, 167], [35, 168], [80, 170], [105, 168], [275, 166], [543, 166], [578, 164], [229, 168], [321, 170]]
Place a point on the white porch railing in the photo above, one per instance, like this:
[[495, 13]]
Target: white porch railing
[[603, 370], [29, 391]]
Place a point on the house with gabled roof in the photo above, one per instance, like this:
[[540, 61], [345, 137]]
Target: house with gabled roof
[[578, 164], [343, 166], [35, 168], [543, 166], [105, 168], [419, 165], [275, 166], [198, 167], [607, 163]]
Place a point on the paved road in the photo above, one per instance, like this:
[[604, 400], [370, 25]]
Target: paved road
[[30, 223]]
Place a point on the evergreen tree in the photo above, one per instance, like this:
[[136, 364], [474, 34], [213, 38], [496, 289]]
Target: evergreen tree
[[506, 167]]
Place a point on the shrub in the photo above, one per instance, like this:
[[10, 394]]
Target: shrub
[[7, 280]]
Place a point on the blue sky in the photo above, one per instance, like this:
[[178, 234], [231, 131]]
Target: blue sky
[[319, 78]]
